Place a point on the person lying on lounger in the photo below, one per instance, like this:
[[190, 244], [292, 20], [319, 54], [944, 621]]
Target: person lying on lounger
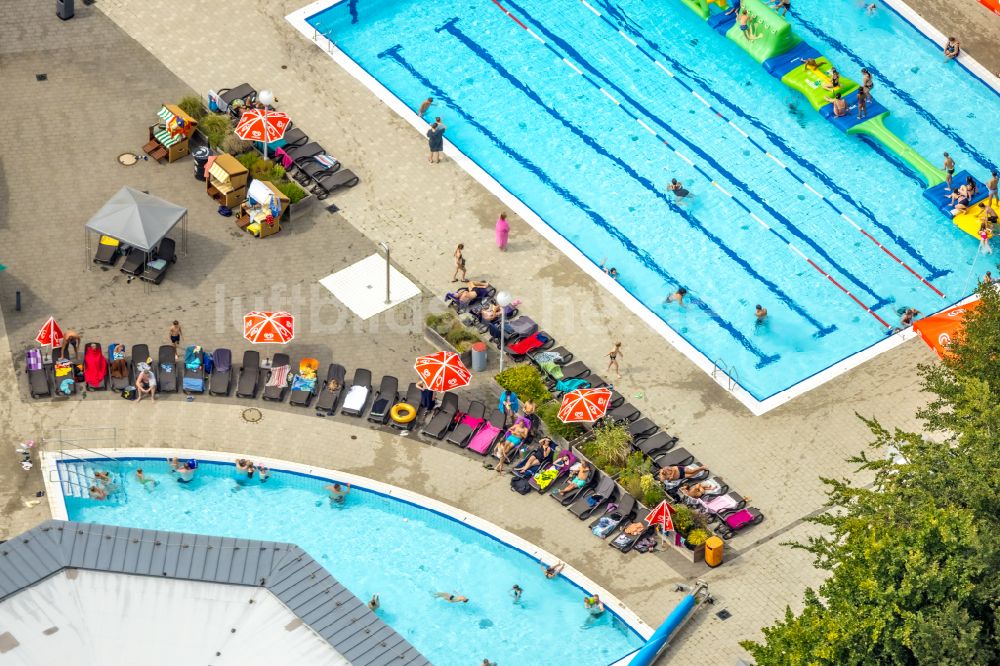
[[697, 490], [511, 441], [474, 290], [539, 456], [118, 368], [578, 481], [491, 313], [678, 472]]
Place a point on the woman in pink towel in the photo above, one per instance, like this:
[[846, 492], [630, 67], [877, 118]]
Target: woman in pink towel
[[502, 231]]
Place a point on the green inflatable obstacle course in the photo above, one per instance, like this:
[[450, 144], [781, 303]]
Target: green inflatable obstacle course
[[810, 81], [769, 34], [700, 7], [876, 129]]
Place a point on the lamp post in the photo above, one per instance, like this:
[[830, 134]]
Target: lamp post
[[265, 97], [503, 299]]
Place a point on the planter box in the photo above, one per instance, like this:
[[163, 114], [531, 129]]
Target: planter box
[[675, 541], [302, 206]]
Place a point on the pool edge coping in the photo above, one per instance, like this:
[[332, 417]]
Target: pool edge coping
[[57, 508], [758, 407]]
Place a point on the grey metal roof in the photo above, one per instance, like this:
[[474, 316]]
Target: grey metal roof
[[284, 569]]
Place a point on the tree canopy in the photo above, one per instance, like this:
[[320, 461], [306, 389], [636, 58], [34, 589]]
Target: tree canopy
[[914, 559]]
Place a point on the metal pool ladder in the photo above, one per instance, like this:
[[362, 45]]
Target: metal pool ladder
[[76, 478], [731, 373]]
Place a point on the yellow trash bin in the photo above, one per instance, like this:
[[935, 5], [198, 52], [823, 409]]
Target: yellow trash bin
[[714, 548]]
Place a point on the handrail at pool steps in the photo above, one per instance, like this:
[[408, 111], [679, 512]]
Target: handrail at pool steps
[[74, 478], [730, 372], [784, 55]]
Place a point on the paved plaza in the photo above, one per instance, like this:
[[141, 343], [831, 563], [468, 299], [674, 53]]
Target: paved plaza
[[107, 73]]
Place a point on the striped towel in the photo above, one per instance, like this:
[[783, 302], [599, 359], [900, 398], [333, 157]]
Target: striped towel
[[325, 161], [279, 376]]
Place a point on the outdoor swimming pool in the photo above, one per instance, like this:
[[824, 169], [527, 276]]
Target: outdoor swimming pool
[[584, 112], [377, 544]]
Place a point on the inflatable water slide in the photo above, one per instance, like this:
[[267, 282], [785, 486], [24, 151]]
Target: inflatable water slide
[[785, 56]]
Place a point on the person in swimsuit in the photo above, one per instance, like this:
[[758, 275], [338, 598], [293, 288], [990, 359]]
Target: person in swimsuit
[[862, 103], [374, 603], [184, 471], [834, 82], [146, 482], [145, 384], [174, 334], [553, 571], [426, 104], [970, 186], [594, 605], [452, 598], [745, 27], [516, 592], [459, 263], [578, 481], [783, 5], [511, 441], [839, 105], [435, 142], [679, 472], [760, 313], [613, 359], [538, 457], [338, 493], [985, 233], [611, 271], [991, 187], [949, 171], [71, 339], [680, 192], [98, 493], [988, 278], [870, 8], [952, 49], [676, 296], [908, 316], [960, 198], [866, 80]]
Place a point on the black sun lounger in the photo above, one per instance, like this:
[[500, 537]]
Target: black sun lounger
[[277, 393], [156, 269], [166, 371], [625, 542], [57, 381], [327, 401], [246, 385], [624, 413], [656, 444], [587, 503], [476, 413], [565, 355], [328, 183], [644, 427], [244, 92], [310, 149], [385, 398], [571, 496], [412, 398], [443, 416], [356, 395], [574, 370], [679, 456], [309, 169], [294, 138], [120, 383], [107, 254], [222, 372], [193, 379], [140, 354], [615, 518], [38, 379], [134, 261]]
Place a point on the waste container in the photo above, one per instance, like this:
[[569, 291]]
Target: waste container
[[478, 356], [200, 155], [64, 9], [714, 547]]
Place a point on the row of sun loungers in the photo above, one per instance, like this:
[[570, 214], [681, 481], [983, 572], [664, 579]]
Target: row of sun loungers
[[524, 341]]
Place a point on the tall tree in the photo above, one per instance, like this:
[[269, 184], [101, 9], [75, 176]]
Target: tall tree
[[914, 558]]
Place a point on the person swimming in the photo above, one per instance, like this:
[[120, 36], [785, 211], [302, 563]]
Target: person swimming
[[146, 482], [553, 571], [452, 598], [338, 493], [516, 592], [594, 605], [374, 603], [760, 313], [677, 296]]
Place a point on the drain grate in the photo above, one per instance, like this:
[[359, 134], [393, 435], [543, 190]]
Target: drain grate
[[252, 415], [723, 614], [333, 208], [41, 77]]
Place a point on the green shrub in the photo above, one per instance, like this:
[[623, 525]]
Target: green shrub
[[291, 190], [696, 537], [526, 382], [683, 519], [264, 169], [549, 414], [215, 127], [234, 145], [193, 106], [248, 159], [457, 334], [610, 448], [652, 490], [436, 319]]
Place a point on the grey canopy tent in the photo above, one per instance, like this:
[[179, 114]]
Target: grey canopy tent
[[138, 220]]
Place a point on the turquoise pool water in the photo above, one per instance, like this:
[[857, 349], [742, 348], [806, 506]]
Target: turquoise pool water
[[573, 111], [375, 544]]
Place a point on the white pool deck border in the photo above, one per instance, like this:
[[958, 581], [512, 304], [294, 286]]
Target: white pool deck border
[[730, 384], [57, 506]]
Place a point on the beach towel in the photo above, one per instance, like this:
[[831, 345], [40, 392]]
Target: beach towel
[[95, 367], [515, 406], [546, 477], [718, 504], [567, 385], [355, 398], [300, 383], [551, 369], [33, 359], [606, 524], [325, 161], [548, 357], [192, 357], [483, 439], [279, 376]]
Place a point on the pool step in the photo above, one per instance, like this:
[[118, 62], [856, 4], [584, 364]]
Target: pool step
[[76, 480]]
